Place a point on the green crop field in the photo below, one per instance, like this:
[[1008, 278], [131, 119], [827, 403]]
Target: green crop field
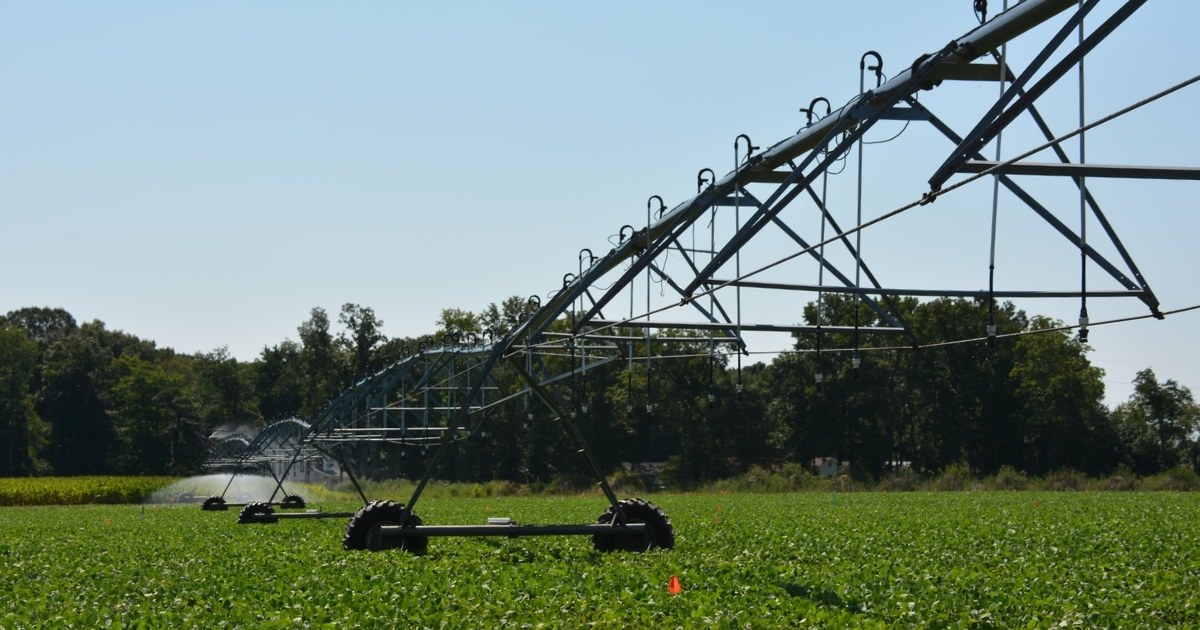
[[809, 560]]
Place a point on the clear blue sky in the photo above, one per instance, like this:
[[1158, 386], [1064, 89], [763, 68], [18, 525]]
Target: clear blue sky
[[203, 174]]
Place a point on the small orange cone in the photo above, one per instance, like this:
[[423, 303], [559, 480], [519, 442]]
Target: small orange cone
[[673, 587]]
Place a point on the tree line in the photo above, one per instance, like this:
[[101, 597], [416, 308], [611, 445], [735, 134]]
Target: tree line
[[82, 399]]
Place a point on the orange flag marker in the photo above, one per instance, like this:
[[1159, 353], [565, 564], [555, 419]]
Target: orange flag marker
[[673, 587]]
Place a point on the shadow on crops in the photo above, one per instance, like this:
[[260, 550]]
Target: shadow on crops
[[822, 596]]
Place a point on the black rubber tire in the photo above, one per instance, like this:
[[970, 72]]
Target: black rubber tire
[[212, 504], [374, 514], [292, 502], [659, 532], [257, 513]]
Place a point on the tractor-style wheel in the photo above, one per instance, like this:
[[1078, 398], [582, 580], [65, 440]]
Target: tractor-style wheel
[[292, 502], [213, 504], [362, 532], [659, 532], [257, 513]]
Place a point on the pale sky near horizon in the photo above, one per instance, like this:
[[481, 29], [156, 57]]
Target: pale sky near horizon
[[204, 174]]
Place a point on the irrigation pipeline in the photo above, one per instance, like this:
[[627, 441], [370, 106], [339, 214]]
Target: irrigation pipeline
[[926, 199]]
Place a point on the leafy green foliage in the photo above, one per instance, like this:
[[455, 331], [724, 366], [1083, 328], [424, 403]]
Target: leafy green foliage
[[1158, 424], [81, 399], [78, 490], [810, 560], [21, 430]]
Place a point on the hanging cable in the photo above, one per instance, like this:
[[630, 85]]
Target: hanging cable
[[856, 360], [712, 300], [628, 344], [529, 311], [575, 338], [737, 264], [903, 128], [662, 208], [1083, 314], [897, 135], [991, 313], [571, 343], [819, 376]]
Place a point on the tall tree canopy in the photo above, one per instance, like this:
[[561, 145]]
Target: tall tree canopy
[[83, 399], [1158, 425]]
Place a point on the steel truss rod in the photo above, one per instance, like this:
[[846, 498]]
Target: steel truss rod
[[978, 294], [346, 430], [403, 408], [660, 339], [1082, 170], [758, 327], [379, 438]]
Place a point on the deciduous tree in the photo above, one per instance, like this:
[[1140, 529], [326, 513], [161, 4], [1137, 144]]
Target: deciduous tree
[[1157, 425], [22, 432]]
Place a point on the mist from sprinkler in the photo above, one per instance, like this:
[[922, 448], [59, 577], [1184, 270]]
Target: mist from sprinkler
[[244, 489]]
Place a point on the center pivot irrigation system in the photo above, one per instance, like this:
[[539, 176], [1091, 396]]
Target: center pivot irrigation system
[[749, 249]]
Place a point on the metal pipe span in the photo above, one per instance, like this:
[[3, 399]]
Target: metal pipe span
[[979, 41]]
